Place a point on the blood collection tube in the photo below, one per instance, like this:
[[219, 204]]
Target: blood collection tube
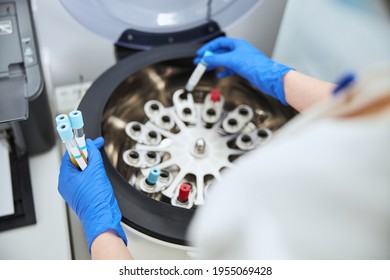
[[215, 95], [184, 193], [153, 176], [66, 134], [76, 120], [198, 73], [62, 118]]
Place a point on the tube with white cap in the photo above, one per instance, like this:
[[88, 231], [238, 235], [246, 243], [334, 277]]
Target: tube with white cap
[[77, 123], [198, 73], [66, 135]]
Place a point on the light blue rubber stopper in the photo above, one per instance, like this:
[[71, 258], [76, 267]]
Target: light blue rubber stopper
[[65, 131], [76, 119], [153, 176], [206, 53], [62, 118]]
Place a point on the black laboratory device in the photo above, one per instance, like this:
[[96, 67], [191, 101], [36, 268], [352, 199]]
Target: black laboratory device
[[25, 119]]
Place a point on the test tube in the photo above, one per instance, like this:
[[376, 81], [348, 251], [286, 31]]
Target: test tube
[[198, 73], [184, 193], [183, 198], [66, 134], [62, 118], [76, 120], [153, 176]]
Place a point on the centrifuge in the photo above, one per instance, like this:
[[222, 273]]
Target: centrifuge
[[165, 148]]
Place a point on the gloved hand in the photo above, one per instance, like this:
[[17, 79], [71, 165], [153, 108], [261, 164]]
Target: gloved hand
[[89, 193], [240, 57]]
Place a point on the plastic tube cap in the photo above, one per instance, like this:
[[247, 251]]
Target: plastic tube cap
[[206, 53], [62, 118], [153, 176], [184, 192], [215, 95], [65, 131], [76, 119]]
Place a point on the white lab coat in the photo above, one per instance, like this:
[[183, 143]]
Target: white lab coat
[[319, 190]]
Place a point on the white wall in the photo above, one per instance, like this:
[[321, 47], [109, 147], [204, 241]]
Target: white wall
[[326, 38], [262, 26], [71, 49]]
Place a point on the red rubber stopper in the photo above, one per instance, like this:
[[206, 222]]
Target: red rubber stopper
[[184, 192], [215, 95]]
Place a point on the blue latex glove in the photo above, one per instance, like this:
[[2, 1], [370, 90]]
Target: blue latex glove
[[89, 193], [240, 57]]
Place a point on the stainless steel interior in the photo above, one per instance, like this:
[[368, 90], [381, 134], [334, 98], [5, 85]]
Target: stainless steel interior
[[159, 82]]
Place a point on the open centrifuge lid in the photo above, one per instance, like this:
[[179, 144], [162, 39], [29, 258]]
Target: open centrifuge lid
[[115, 18]]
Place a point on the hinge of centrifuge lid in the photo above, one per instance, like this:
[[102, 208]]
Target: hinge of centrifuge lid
[[139, 40]]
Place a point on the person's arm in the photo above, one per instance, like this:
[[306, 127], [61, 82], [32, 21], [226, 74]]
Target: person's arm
[[302, 91], [108, 246], [89, 193], [277, 80]]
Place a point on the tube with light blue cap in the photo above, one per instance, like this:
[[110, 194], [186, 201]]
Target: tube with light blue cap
[[62, 118], [153, 176], [66, 135], [77, 123], [198, 73]]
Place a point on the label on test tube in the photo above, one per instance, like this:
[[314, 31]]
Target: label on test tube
[[66, 135], [82, 146], [78, 157], [77, 123]]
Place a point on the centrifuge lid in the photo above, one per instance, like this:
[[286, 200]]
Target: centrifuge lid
[[111, 19]]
